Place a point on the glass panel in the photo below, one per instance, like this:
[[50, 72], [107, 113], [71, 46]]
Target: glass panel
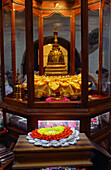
[[95, 124], [78, 52], [93, 47], [56, 38], [36, 42], [62, 24], [77, 43], [1, 117], [106, 51], [17, 122], [100, 122], [20, 49], [36, 48], [53, 123], [20, 43], [7, 52]]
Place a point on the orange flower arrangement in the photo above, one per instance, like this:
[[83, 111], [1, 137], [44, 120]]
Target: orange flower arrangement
[[53, 133]]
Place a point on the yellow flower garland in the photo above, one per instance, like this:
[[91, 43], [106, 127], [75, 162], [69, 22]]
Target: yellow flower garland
[[52, 130]]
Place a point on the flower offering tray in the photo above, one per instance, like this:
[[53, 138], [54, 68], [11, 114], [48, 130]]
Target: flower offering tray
[[64, 142]]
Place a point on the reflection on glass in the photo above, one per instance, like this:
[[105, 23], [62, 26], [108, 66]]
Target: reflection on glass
[[20, 42], [105, 81], [17, 122], [53, 123], [93, 45], [8, 82], [100, 122], [7, 52], [77, 42], [36, 42]]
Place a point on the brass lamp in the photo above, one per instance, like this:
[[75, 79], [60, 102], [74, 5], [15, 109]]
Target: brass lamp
[[18, 88]]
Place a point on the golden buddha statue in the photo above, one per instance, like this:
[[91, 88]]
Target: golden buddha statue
[[56, 64]]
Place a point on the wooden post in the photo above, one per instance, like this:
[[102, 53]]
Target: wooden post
[[2, 50], [29, 52], [100, 45], [41, 72], [85, 126], [32, 123], [72, 54], [84, 50], [13, 44]]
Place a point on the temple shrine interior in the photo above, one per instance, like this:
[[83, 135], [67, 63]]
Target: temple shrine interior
[[55, 72]]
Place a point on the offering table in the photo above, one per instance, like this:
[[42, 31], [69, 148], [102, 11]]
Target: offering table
[[29, 156]]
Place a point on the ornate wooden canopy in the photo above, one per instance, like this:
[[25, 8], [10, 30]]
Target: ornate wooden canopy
[[47, 6]]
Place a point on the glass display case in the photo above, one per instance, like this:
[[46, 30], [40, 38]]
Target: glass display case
[[55, 62]]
